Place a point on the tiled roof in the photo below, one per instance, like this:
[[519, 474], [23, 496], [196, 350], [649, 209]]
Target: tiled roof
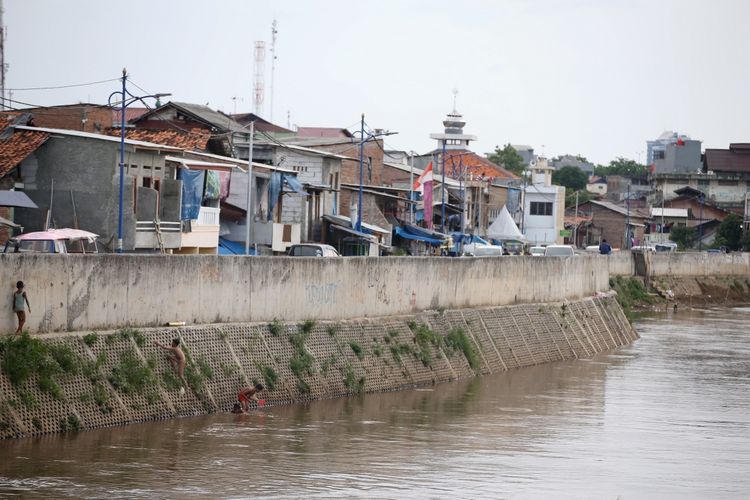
[[261, 125], [196, 139], [476, 166], [16, 145]]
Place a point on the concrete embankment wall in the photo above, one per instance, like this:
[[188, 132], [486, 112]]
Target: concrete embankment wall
[[679, 264], [77, 292], [122, 377]]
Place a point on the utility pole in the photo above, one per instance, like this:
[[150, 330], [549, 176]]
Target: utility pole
[[274, 31], [575, 232], [2, 59], [249, 214], [627, 221], [411, 187]]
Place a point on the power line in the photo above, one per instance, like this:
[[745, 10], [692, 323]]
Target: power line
[[66, 86]]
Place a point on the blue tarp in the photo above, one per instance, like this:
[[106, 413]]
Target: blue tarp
[[416, 237], [227, 247], [274, 190], [294, 183], [192, 192]]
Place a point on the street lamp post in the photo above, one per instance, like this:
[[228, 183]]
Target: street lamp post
[[363, 138], [126, 99]]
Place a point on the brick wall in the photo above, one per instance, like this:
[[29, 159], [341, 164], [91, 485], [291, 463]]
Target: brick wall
[[612, 225], [82, 117]]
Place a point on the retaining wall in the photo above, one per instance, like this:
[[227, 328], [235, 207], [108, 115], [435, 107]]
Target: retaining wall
[[79, 292], [687, 264], [226, 357]]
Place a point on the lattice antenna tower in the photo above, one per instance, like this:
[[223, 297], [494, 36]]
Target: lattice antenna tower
[[274, 31], [259, 77]]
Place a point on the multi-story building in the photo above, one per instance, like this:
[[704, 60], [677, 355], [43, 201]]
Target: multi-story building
[[573, 161], [672, 153], [544, 207]]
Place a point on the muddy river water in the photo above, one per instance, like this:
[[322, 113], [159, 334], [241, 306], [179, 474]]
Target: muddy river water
[[667, 417]]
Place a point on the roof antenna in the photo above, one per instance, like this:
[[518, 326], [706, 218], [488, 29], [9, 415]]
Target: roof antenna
[[455, 95]]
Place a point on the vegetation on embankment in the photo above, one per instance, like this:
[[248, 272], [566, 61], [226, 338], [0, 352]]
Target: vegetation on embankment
[[631, 294], [65, 382]]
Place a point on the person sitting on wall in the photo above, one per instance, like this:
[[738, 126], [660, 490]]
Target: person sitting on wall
[[605, 248], [248, 393]]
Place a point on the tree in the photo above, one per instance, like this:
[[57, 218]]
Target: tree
[[621, 166], [570, 197], [571, 177], [729, 233], [508, 158], [683, 236]]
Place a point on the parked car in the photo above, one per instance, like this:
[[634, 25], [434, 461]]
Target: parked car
[[474, 245], [59, 241], [592, 249], [666, 247], [644, 248], [312, 250], [536, 251], [558, 251]]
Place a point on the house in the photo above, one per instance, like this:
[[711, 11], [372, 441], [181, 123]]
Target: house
[[341, 142], [226, 136], [318, 171], [543, 207], [661, 223], [526, 152], [608, 221], [597, 186], [169, 203]]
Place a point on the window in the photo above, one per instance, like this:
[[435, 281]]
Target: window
[[658, 155], [147, 182], [703, 183], [540, 208], [727, 183]]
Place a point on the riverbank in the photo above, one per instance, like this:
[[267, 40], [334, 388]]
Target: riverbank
[[72, 381], [657, 293]]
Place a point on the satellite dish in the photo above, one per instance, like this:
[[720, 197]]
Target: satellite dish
[[532, 163]]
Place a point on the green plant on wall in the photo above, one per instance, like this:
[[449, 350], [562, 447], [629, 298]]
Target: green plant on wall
[[302, 361], [276, 327], [458, 340], [24, 357], [269, 376], [352, 383], [357, 350]]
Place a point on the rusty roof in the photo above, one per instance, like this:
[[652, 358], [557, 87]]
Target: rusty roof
[[734, 159], [195, 139], [476, 166], [16, 145]]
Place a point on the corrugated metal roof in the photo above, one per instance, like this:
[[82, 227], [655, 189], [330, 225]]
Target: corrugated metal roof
[[669, 212]]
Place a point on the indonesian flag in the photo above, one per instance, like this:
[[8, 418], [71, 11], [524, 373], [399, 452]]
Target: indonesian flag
[[424, 185]]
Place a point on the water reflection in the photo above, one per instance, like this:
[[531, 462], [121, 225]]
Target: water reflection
[[664, 417]]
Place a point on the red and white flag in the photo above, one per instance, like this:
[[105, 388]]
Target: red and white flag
[[424, 185], [423, 179]]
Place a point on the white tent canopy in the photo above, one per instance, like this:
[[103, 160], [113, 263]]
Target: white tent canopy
[[504, 228]]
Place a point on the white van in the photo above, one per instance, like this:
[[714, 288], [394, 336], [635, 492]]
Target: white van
[[559, 251]]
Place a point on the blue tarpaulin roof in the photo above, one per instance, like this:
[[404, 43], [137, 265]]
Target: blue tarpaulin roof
[[416, 237], [227, 247]]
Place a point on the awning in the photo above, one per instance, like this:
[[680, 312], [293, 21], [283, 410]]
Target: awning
[[202, 165], [6, 222], [349, 230], [416, 237], [16, 199], [343, 220]]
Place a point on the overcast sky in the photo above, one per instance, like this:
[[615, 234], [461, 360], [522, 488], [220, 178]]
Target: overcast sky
[[590, 77]]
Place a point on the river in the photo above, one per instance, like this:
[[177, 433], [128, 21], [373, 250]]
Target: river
[[667, 417]]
